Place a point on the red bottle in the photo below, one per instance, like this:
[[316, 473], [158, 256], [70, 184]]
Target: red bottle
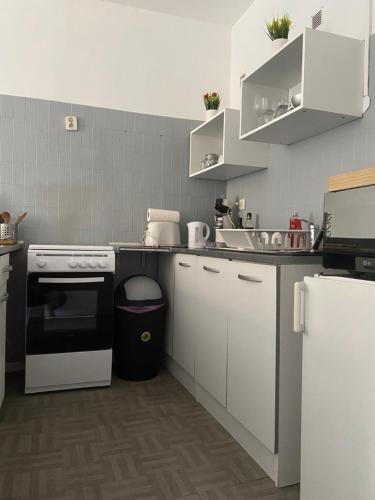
[[295, 224]]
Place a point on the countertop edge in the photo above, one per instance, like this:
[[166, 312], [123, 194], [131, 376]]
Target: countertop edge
[[4, 249], [265, 258]]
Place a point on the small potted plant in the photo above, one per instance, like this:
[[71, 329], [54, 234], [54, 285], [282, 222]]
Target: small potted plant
[[212, 103], [278, 31]]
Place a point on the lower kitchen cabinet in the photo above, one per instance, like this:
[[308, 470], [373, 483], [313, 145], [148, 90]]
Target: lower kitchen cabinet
[[235, 351], [252, 348], [185, 317], [4, 274], [211, 339]]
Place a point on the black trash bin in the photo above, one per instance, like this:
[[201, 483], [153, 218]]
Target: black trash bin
[[139, 328]]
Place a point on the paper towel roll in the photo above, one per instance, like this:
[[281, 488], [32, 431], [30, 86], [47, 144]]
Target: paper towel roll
[[158, 215]]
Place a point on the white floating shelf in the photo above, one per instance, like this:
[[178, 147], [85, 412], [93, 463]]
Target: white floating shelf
[[219, 135], [326, 69]]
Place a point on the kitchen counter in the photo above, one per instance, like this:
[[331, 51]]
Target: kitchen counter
[[273, 258], [4, 249]]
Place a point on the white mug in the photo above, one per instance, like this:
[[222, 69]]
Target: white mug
[[196, 238]]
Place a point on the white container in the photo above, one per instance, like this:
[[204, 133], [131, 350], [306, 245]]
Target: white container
[[210, 113], [277, 44], [196, 236]]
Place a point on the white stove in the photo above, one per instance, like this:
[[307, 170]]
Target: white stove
[[69, 319], [70, 258]]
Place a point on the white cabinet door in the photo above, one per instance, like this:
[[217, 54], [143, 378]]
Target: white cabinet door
[[338, 390], [211, 344], [186, 298], [252, 345], [166, 280], [4, 273]]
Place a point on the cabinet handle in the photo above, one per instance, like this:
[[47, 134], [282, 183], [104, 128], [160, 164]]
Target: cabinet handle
[[4, 297], [249, 278], [211, 270], [183, 264], [7, 269]]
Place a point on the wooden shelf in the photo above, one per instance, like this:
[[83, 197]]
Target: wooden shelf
[[326, 69], [219, 135]]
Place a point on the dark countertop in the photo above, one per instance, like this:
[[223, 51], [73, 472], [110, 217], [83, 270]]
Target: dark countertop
[[273, 258], [4, 249]]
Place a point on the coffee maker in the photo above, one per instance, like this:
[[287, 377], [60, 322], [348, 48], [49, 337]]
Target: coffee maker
[[224, 217]]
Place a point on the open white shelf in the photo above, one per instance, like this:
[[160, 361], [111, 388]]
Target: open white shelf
[[219, 135], [328, 71]]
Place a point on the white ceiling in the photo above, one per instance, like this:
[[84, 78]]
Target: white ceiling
[[225, 12]]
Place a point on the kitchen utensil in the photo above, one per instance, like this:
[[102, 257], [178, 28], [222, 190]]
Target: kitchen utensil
[[282, 108], [296, 100], [196, 236], [21, 218], [8, 234], [267, 240], [210, 159], [6, 217]]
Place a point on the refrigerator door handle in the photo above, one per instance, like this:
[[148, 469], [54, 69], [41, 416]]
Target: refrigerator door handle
[[299, 307]]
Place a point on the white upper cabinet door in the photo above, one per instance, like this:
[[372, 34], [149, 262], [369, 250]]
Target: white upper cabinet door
[[338, 390], [185, 319], [252, 345], [211, 346]]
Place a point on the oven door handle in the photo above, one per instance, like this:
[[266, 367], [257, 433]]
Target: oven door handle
[[97, 279]]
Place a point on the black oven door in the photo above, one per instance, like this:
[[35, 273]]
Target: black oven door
[[69, 312]]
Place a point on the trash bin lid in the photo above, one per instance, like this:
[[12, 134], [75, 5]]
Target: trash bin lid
[[142, 288]]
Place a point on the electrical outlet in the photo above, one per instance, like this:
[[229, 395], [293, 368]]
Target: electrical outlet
[[242, 204], [71, 123]]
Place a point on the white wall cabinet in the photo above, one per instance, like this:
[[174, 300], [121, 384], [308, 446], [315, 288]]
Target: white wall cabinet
[[4, 274], [185, 317], [219, 135], [252, 348], [211, 339], [327, 69]]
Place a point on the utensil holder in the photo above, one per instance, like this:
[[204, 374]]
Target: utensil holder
[[8, 234]]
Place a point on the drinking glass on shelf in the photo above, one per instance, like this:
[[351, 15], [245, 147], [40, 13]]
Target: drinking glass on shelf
[[260, 106], [269, 112]]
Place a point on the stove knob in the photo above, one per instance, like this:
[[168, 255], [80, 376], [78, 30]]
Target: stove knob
[[41, 263], [103, 264], [73, 264], [92, 264], [83, 264]]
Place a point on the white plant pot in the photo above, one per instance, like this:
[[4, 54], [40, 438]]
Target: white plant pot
[[210, 113], [277, 44]]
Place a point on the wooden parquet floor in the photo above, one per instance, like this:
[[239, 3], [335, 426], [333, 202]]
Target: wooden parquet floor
[[133, 441]]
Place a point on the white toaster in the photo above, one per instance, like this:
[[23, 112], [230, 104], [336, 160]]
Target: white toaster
[[158, 234]]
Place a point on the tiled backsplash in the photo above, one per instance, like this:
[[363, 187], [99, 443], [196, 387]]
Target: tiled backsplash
[[95, 185], [91, 186]]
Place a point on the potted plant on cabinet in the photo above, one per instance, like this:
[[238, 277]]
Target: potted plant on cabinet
[[212, 103], [278, 31]]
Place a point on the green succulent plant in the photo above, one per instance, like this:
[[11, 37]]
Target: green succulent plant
[[279, 27]]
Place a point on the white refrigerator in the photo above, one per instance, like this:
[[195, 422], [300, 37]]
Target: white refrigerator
[[336, 317]]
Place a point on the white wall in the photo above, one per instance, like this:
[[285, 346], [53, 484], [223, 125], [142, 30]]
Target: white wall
[[250, 46], [102, 53]]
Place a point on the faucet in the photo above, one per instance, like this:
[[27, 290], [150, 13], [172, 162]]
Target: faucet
[[313, 228]]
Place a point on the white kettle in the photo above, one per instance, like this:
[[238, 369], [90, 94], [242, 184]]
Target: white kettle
[[196, 237]]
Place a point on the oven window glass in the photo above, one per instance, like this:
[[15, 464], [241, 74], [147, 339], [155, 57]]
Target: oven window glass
[[70, 310], [69, 317]]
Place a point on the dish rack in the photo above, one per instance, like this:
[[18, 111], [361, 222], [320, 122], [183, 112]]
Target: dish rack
[[267, 239], [8, 234]]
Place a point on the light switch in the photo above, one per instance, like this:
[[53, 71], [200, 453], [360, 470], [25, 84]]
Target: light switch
[[71, 123], [242, 204]]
